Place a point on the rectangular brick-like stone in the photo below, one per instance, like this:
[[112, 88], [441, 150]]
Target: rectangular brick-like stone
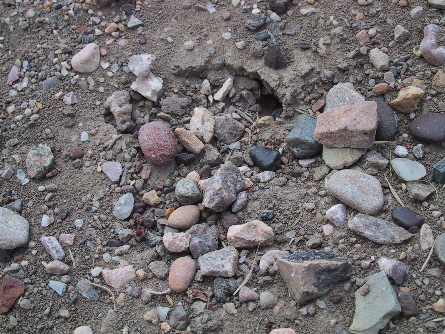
[[351, 126], [439, 172]]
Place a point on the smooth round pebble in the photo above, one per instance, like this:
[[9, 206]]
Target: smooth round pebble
[[184, 217], [182, 272], [83, 330]]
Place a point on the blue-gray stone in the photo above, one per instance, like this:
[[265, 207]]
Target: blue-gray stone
[[58, 287], [262, 36], [256, 22], [124, 206], [187, 192], [50, 83], [179, 318], [87, 290], [267, 158], [439, 172], [301, 138]]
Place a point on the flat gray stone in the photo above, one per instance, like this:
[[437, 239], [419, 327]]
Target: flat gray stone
[[408, 170], [301, 138], [187, 192], [113, 170], [14, 229], [124, 206], [439, 247], [222, 262]]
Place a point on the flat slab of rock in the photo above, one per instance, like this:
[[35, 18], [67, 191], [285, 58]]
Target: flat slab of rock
[[376, 303], [358, 190], [301, 139], [408, 170], [339, 158], [378, 230], [14, 229], [312, 273], [118, 278], [249, 235], [429, 128], [222, 262], [11, 289], [352, 126]]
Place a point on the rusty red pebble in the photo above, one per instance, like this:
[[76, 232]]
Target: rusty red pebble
[[158, 142]]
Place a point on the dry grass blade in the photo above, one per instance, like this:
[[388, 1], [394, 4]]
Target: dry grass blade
[[113, 298], [249, 274], [427, 258], [380, 142], [72, 258], [291, 226], [394, 193]]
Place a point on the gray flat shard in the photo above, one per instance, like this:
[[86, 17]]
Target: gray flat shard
[[376, 303]]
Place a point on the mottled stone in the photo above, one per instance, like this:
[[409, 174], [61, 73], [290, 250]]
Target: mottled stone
[[204, 239], [407, 99], [187, 192], [268, 262], [408, 304], [246, 294], [39, 161], [374, 160], [158, 143], [119, 105], [10, 291], [14, 229], [176, 242], [182, 272], [342, 94], [222, 262], [202, 124], [188, 139], [336, 214], [394, 269], [240, 202], [227, 129], [419, 191], [256, 22], [426, 237], [379, 59], [56, 267], [118, 278], [249, 235], [52, 247]]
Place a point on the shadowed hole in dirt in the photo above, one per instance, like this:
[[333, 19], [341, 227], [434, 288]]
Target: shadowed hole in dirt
[[270, 105]]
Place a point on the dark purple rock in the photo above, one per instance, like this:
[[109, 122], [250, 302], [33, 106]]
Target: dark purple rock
[[429, 128], [185, 159], [335, 299], [387, 127], [408, 304], [280, 6], [158, 142], [114, 243], [274, 57], [230, 220], [139, 207], [394, 269], [204, 239], [406, 218]]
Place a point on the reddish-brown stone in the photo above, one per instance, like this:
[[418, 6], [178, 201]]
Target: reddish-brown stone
[[11, 290], [158, 142], [75, 152]]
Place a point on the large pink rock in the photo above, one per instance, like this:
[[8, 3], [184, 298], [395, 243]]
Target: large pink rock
[[251, 234], [158, 142], [12, 288], [147, 84], [182, 272]]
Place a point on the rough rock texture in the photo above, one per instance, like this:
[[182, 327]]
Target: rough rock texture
[[407, 99], [39, 161], [187, 192], [86, 60], [301, 139], [227, 129], [118, 278], [339, 158], [251, 234], [158, 142], [379, 59], [202, 124], [52, 247], [119, 105], [188, 139], [375, 304], [14, 229], [342, 94], [394, 269], [222, 262], [274, 58], [11, 289], [147, 84], [439, 247], [378, 230], [358, 190], [311, 274], [268, 262]]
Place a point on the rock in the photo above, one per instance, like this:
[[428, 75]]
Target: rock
[[179, 318], [401, 34], [363, 37], [50, 83], [224, 289], [39, 161], [358, 190], [274, 58], [211, 156], [336, 214], [338, 158], [14, 229], [342, 94], [227, 129], [83, 330], [58, 287], [406, 218], [311, 274], [352, 126], [118, 278], [387, 127], [56, 267], [69, 98], [240, 202], [124, 206], [52, 247], [408, 304], [134, 22], [229, 220], [256, 22], [222, 262], [394, 269], [113, 170], [268, 262], [204, 239], [439, 79], [283, 331], [119, 105], [429, 128], [416, 12], [187, 192], [202, 124], [439, 247], [86, 60], [190, 142], [439, 172], [176, 242], [249, 235], [433, 54], [75, 152], [14, 74], [158, 143], [184, 217], [379, 59], [381, 88], [301, 139], [267, 300], [222, 188], [222, 93], [279, 7], [266, 176], [10, 291], [437, 3], [159, 269], [378, 230], [439, 306], [408, 170], [374, 309], [267, 158], [426, 238], [147, 84], [419, 191], [247, 295], [151, 198], [374, 161], [87, 290], [182, 272], [407, 99]]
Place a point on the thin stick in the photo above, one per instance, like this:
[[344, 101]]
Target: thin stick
[[113, 298], [427, 258], [394, 193], [379, 142], [158, 293], [72, 258], [291, 226], [249, 274]]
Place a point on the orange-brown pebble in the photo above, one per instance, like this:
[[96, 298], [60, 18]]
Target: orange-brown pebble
[[381, 88], [317, 106], [182, 272], [184, 217], [283, 331], [103, 52], [112, 27], [168, 212]]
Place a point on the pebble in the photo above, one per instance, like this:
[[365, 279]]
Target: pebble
[[147, 84], [222, 262], [401, 34], [134, 22], [11, 289], [187, 192], [179, 318], [246, 294], [118, 278], [204, 239], [249, 235], [439, 172], [202, 124], [379, 59], [268, 262], [407, 99], [274, 57], [176, 242], [267, 300], [222, 93], [394, 269], [224, 288], [158, 142], [124, 206], [282, 331], [266, 176], [429, 128], [230, 308], [426, 238], [406, 218], [14, 229], [437, 3], [227, 129], [159, 269], [262, 36], [189, 45], [408, 304], [151, 198], [184, 217], [240, 202], [56, 267], [119, 105], [256, 22], [381, 88], [408, 170], [52, 247], [378, 230], [75, 152], [336, 214], [113, 170], [339, 158], [266, 158], [182, 272], [50, 83], [189, 140], [87, 290], [301, 139], [39, 161], [229, 220], [86, 60], [439, 247], [83, 330], [58, 287], [401, 151], [358, 190], [63, 313], [419, 191]]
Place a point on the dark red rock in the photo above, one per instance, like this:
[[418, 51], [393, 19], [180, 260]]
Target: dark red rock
[[75, 152], [11, 290], [429, 128], [406, 218], [158, 142], [280, 6], [274, 57], [336, 299], [408, 304]]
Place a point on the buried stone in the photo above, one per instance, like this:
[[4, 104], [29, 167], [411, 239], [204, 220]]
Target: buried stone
[[274, 57]]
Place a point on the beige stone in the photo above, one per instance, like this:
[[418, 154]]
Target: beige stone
[[184, 217], [182, 272], [407, 99], [251, 234], [190, 142]]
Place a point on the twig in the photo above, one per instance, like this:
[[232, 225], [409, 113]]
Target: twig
[[378, 142], [291, 226], [72, 258], [158, 293], [393, 192], [427, 258], [113, 298], [249, 274]]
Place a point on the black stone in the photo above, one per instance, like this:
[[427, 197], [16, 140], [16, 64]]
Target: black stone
[[185, 159], [114, 243], [387, 127], [256, 22], [336, 299], [439, 172], [280, 6], [168, 190], [5, 255], [262, 36], [429, 128], [179, 318], [127, 9], [276, 113], [267, 158], [58, 6], [408, 304], [223, 288], [135, 96], [274, 57], [267, 215], [88, 38], [139, 207], [149, 222], [305, 46], [406, 218]]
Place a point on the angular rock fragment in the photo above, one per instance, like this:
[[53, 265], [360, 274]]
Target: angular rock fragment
[[374, 160], [202, 124], [394, 269], [222, 262], [222, 93], [227, 129], [426, 237], [124, 206], [188, 139], [268, 262], [342, 94], [406, 218], [119, 105], [118, 278], [274, 58], [336, 214], [267, 158], [113, 170], [11, 289], [379, 59], [52, 247], [339, 158], [204, 239], [147, 84], [407, 99], [439, 172], [312, 273], [251, 234], [158, 143], [439, 247], [301, 139], [408, 304], [39, 161], [187, 192]]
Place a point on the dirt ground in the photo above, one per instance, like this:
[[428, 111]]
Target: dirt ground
[[166, 26]]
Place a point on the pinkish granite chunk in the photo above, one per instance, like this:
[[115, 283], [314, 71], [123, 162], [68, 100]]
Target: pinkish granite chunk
[[118, 278]]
